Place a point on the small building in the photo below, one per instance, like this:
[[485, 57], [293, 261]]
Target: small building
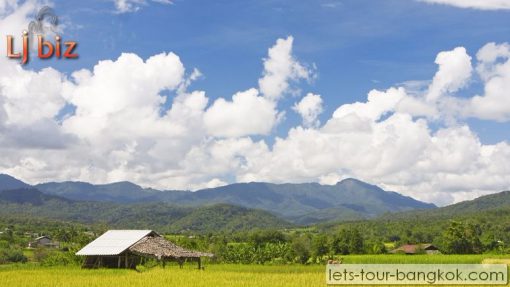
[[416, 249], [43, 241], [128, 248]]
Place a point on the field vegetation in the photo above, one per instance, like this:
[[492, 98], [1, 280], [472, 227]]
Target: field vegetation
[[228, 275]]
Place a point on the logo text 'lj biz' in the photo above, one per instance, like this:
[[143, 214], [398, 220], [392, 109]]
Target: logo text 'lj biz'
[[45, 49]]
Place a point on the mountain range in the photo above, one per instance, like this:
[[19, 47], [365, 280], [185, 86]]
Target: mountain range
[[237, 207], [32, 203], [305, 203]]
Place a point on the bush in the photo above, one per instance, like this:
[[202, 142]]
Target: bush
[[146, 265], [4, 244], [40, 254], [301, 249], [59, 258], [12, 256], [462, 238]]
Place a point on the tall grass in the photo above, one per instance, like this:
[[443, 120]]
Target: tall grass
[[31, 275], [419, 259], [216, 275]]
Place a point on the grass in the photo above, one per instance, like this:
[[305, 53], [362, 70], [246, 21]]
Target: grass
[[29, 253], [214, 275], [420, 259], [32, 275]]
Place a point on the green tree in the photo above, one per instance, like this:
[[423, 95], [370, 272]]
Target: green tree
[[348, 241], [462, 238], [320, 246], [301, 248]]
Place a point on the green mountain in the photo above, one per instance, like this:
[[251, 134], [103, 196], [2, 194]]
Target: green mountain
[[486, 203], [300, 203], [164, 217], [121, 192], [483, 203], [490, 214], [29, 196], [9, 182]]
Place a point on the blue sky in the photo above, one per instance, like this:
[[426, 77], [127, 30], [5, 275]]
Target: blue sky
[[408, 95], [357, 45]]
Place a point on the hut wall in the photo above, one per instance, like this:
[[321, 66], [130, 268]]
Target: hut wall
[[124, 260]]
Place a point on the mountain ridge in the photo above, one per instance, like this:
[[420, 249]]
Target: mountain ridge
[[161, 216], [198, 216], [303, 203]]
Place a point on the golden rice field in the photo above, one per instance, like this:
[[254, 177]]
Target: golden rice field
[[213, 275]]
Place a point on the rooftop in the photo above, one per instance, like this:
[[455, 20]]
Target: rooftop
[[114, 242]]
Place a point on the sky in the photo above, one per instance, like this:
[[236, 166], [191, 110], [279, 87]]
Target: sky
[[410, 95]]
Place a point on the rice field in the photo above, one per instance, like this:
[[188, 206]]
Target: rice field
[[30, 275]]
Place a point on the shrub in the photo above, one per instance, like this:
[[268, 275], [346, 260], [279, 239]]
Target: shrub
[[12, 256], [4, 244], [59, 258]]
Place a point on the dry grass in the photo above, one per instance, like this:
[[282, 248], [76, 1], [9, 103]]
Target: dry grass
[[214, 275]]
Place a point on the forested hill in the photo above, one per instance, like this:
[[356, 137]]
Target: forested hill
[[305, 203], [9, 182], [487, 217], [163, 217], [486, 203]]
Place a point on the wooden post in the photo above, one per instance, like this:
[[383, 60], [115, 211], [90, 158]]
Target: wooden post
[[118, 261], [126, 261], [199, 263]]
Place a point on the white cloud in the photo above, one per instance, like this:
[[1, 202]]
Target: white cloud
[[126, 6], [453, 73], [280, 68], [247, 114], [378, 104], [494, 69], [386, 140], [123, 129], [109, 95], [474, 4], [309, 108], [14, 18], [250, 113], [23, 90]]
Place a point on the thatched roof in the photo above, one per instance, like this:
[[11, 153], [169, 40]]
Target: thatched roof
[[159, 247], [413, 248]]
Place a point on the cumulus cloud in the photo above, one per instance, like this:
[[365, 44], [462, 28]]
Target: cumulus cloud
[[309, 108], [474, 4], [250, 113], [453, 73], [247, 114], [123, 91], [134, 119], [14, 18], [280, 68], [126, 6], [378, 104], [494, 69], [390, 139]]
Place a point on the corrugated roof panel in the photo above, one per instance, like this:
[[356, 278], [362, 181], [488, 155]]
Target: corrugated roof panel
[[113, 242]]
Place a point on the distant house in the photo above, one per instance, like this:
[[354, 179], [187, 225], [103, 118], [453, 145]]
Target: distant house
[[128, 248], [416, 249], [42, 241]]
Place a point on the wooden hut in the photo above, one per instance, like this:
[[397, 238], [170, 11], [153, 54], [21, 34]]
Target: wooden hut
[[128, 248], [416, 249], [43, 241]]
